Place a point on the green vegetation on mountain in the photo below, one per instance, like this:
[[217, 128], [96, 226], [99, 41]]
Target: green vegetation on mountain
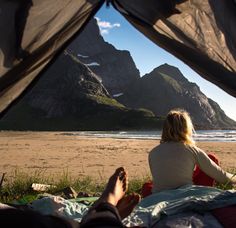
[[172, 82]]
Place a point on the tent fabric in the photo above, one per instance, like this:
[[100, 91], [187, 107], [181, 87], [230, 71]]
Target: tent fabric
[[32, 32], [200, 33]]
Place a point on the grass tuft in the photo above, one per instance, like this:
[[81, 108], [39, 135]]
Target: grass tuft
[[17, 186]]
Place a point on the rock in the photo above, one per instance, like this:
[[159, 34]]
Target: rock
[[115, 67], [69, 96], [166, 88], [69, 193], [64, 87]]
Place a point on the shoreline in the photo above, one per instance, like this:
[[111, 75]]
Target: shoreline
[[210, 135], [54, 153]]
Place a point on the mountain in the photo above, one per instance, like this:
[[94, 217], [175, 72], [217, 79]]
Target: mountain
[[116, 68], [166, 88], [69, 96], [77, 93], [171, 89]]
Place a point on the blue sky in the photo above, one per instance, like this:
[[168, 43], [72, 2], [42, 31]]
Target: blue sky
[[116, 30]]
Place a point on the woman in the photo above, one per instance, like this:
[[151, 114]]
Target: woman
[[172, 162]]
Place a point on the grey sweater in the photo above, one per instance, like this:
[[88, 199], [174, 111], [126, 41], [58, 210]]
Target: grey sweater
[[172, 165]]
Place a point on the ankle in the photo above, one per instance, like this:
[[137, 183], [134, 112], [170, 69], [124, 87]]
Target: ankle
[[112, 199]]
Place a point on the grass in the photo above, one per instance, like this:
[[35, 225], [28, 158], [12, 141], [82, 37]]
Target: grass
[[97, 113], [17, 187], [172, 82], [106, 101]]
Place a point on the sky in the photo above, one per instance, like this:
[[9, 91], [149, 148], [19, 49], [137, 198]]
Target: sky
[[116, 30]]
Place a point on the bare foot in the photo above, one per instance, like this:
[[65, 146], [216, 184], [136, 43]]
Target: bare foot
[[116, 187], [126, 205]]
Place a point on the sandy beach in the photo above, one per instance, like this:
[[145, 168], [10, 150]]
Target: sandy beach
[[55, 153]]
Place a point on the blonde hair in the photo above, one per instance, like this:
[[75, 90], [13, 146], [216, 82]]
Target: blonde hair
[[178, 127]]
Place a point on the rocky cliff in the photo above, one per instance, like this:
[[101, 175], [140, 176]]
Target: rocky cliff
[[159, 94], [166, 88], [64, 87], [115, 68], [69, 96]]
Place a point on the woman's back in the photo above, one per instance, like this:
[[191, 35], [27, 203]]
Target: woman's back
[[171, 165]]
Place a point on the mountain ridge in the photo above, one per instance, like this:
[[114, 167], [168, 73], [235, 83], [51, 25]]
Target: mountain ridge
[[69, 96], [162, 90], [94, 86]]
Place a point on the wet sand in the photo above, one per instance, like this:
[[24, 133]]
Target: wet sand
[[55, 153]]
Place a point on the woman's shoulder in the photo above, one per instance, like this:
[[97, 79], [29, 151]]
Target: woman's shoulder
[[157, 149], [195, 149], [165, 146], [176, 145]]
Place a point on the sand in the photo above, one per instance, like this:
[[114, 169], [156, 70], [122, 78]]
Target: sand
[[54, 153]]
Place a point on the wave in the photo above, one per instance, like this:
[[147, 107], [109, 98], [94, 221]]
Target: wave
[[213, 135], [206, 135]]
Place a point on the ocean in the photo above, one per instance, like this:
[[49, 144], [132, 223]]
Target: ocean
[[203, 135]]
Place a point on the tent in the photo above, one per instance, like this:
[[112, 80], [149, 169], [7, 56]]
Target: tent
[[34, 32]]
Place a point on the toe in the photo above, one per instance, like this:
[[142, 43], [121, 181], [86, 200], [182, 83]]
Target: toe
[[120, 169]]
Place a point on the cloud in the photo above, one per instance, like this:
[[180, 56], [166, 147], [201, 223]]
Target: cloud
[[116, 25], [104, 31], [106, 26]]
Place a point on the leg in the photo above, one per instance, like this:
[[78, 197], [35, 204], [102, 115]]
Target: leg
[[126, 205], [200, 178], [104, 212], [13, 217]]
